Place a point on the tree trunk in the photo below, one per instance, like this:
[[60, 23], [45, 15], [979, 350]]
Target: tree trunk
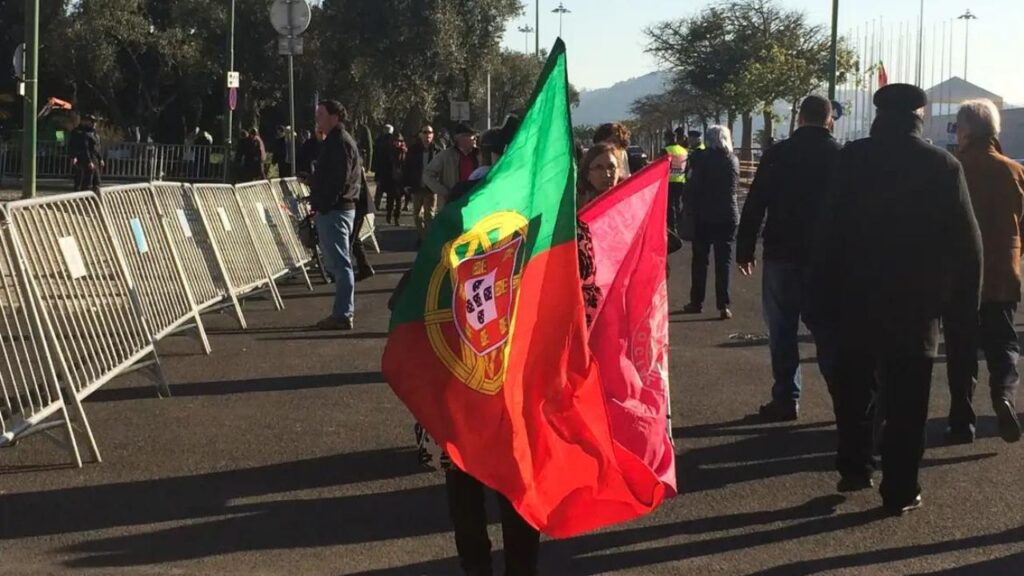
[[792, 118], [746, 152], [769, 127], [730, 117]]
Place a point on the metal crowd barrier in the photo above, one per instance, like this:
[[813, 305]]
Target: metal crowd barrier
[[76, 274], [31, 399], [255, 201], [141, 229], [129, 161], [296, 192], [236, 245]]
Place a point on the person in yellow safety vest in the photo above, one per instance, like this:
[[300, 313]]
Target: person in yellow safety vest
[[677, 173]]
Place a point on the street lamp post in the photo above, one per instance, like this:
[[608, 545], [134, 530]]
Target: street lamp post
[[561, 11], [536, 28], [833, 52], [31, 78], [966, 17], [526, 30], [229, 112]]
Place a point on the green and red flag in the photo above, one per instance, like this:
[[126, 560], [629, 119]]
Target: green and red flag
[[488, 343]]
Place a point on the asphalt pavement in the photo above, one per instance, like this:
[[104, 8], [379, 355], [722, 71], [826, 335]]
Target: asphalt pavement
[[284, 453]]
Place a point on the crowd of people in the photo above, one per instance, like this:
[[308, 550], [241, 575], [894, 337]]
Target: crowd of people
[[875, 246]]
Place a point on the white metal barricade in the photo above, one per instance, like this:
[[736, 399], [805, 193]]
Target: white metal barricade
[[270, 228], [156, 270], [273, 200], [31, 400], [75, 271], [296, 192], [245, 271]]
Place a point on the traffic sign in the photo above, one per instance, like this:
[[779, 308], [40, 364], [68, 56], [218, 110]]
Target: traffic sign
[[290, 17], [234, 79], [232, 98], [460, 111]]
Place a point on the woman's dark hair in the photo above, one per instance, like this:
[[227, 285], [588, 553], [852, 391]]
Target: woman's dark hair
[[613, 132]]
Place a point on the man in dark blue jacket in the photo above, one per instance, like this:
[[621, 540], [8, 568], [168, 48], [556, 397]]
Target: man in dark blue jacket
[[790, 186], [334, 191]]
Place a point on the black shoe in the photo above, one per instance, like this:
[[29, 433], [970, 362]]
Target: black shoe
[[901, 509], [365, 273], [725, 314], [692, 308], [1009, 426], [959, 436], [855, 483], [332, 323], [776, 411]]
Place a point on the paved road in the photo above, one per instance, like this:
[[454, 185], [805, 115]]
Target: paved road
[[283, 452]]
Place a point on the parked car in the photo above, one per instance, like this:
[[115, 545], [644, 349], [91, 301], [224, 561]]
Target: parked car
[[637, 158]]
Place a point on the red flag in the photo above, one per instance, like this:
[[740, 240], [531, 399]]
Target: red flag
[[883, 78], [629, 333]]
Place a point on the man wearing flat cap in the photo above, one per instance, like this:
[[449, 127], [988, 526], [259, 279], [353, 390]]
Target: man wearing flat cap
[[454, 165], [86, 160], [899, 248]]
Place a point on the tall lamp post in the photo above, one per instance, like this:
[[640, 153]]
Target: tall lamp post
[[229, 104], [536, 28], [561, 11], [833, 52], [966, 17], [31, 75], [526, 30]]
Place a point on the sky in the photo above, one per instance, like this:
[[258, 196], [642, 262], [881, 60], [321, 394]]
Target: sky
[[605, 39]]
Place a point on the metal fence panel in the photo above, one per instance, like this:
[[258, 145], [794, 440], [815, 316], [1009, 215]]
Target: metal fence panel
[[271, 212], [141, 230], [29, 392], [77, 275], [128, 161], [236, 246], [257, 204]]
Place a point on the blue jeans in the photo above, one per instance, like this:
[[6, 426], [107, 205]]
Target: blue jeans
[[785, 292], [335, 231]]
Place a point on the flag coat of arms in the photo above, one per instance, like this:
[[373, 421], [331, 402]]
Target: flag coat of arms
[[488, 342]]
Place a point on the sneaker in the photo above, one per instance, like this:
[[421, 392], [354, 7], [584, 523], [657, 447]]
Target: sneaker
[[901, 509], [692, 308], [725, 314], [332, 323], [365, 273], [775, 411], [959, 435], [855, 483], [1009, 426]]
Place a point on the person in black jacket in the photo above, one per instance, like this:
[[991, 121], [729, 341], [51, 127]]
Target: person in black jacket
[[791, 185], [364, 207], [86, 159], [424, 201], [712, 193], [334, 191], [899, 248]]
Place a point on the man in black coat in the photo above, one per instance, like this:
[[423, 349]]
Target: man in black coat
[[791, 185], [86, 159], [421, 153], [899, 248], [335, 188]]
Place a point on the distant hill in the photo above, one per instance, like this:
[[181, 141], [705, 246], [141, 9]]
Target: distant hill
[[612, 104]]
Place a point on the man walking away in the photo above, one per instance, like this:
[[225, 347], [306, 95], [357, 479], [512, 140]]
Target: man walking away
[[364, 207], [899, 249], [379, 160], [996, 185], [334, 190], [424, 200], [454, 165], [86, 159], [790, 186]]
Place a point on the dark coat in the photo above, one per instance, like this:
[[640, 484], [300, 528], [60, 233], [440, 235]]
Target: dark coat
[[365, 202], [413, 175], [996, 184], [791, 185], [84, 145], [308, 152], [899, 245], [713, 186], [335, 185]]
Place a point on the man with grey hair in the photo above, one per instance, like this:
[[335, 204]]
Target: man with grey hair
[[996, 185]]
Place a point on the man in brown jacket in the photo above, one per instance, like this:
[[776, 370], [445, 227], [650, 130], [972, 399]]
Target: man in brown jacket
[[996, 185]]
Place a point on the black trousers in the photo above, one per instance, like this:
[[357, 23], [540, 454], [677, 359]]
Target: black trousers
[[358, 250], [675, 203], [86, 178], [899, 388], [720, 237], [996, 335], [466, 505]]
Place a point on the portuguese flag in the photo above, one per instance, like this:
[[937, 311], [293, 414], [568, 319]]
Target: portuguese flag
[[488, 343]]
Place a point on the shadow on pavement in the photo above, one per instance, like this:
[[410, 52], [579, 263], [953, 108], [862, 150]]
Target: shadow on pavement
[[213, 495], [1010, 563], [331, 336], [282, 384]]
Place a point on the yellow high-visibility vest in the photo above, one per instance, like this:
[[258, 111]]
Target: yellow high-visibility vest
[[677, 163]]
